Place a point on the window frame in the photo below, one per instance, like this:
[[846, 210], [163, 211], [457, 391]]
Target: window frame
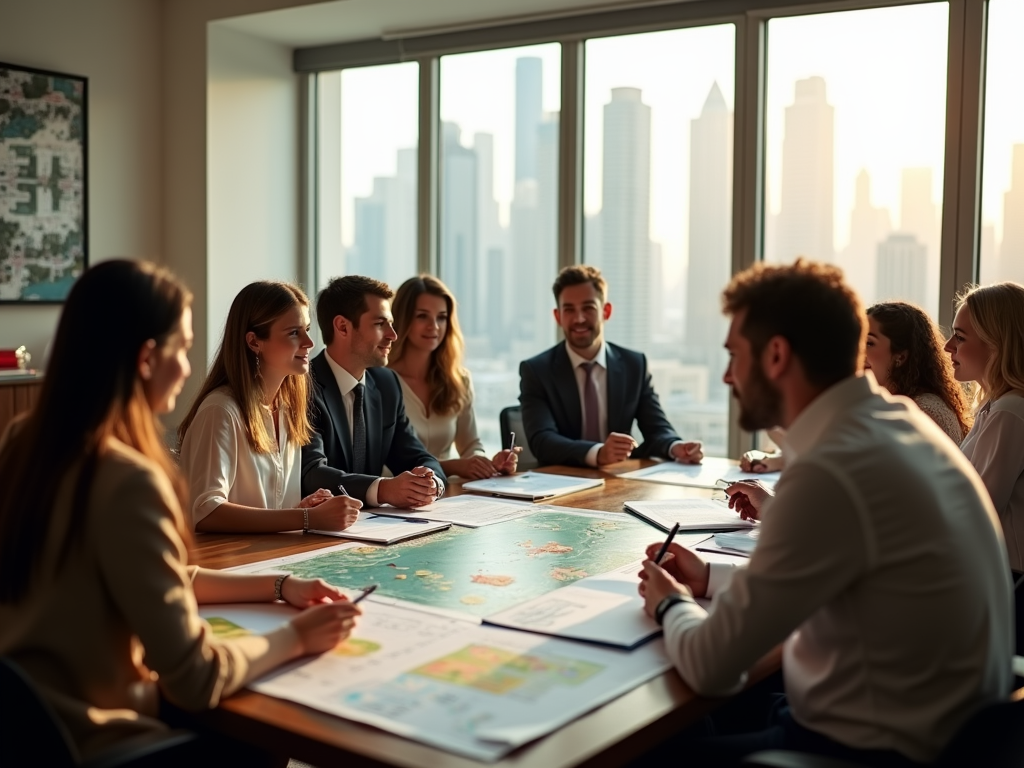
[[959, 257]]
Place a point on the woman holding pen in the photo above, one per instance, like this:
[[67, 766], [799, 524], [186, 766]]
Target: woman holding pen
[[241, 440], [94, 544], [438, 393]]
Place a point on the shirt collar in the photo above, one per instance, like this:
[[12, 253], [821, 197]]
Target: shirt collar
[[600, 358], [346, 381], [813, 422]]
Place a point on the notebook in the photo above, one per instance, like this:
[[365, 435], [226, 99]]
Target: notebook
[[379, 529], [534, 486], [691, 514]]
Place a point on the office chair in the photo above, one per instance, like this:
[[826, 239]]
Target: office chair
[[511, 420], [32, 734], [993, 737]]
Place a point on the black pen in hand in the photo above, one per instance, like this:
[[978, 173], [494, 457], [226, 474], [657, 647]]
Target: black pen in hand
[[664, 547]]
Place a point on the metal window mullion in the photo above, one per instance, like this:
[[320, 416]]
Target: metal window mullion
[[961, 189], [570, 156], [748, 173], [427, 186], [308, 266]]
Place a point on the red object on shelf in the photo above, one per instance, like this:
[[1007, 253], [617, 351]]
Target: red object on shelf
[[14, 358]]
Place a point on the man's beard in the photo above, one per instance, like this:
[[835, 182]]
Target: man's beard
[[761, 403]]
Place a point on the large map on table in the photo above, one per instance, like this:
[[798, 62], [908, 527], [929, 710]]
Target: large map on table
[[485, 570]]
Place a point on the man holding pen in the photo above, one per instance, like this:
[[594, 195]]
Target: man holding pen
[[579, 399]]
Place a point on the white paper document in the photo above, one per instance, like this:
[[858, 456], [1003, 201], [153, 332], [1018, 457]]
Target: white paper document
[[605, 609], [707, 474], [473, 690], [532, 485], [379, 529], [469, 511], [691, 514]]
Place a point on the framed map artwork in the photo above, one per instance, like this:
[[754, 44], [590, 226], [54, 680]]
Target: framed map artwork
[[43, 206]]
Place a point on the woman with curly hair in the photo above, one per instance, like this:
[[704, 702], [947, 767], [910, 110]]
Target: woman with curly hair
[[438, 393], [904, 352]]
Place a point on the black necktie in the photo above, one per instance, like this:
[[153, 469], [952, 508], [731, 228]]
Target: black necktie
[[358, 433]]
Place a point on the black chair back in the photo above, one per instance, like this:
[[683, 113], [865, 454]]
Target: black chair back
[[30, 731], [994, 737], [511, 420]]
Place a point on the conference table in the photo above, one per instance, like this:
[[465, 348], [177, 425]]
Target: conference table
[[613, 734]]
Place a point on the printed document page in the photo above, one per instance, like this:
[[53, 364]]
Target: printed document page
[[707, 474], [385, 530], [472, 690], [532, 485], [469, 511]]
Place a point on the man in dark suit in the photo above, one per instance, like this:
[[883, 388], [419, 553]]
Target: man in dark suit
[[579, 399], [358, 413]]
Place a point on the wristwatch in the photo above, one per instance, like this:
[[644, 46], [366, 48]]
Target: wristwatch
[[667, 602]]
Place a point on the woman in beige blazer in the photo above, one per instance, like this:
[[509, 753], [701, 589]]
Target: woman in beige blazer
[[97, 602]]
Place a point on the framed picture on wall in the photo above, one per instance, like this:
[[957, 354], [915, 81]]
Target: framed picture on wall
[[44, 244]]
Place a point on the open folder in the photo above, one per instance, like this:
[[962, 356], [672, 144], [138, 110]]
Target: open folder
[[534, 486]]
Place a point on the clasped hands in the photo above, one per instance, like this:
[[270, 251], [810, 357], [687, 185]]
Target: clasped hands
[[618, 446], [504, 462]]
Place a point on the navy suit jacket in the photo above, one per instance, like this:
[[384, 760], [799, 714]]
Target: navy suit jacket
[[552, 414], [390, 439]]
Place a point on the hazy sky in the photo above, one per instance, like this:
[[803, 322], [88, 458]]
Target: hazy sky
[[885, 75]]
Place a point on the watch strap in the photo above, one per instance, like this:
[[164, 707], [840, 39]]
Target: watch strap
[[666, 603]]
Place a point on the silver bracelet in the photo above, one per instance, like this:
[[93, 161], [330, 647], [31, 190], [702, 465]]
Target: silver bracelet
[[278, 584], [305, 520]]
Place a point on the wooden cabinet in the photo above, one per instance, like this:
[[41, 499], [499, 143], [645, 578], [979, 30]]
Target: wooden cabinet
[[18, 394]]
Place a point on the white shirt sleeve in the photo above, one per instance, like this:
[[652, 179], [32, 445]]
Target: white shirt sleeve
[[467, 438], [208, 458], [998, 456], [808, 551]]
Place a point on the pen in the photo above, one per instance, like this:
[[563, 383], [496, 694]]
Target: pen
[[512, 441], [400, 517], [664, 547], [341, 488], [365, 593]]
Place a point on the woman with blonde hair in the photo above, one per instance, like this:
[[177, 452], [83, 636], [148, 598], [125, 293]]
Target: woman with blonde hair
[[241, 440], [987, 347], [93, 541], [438, 393]]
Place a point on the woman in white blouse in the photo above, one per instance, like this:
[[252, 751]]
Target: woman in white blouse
[[987, 347], [241, 440], [427, 356]]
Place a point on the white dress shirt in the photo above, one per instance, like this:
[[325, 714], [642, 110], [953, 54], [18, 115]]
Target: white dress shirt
[[881, 565], [220, 465], [441, 433], [347, 384], [995, 446]]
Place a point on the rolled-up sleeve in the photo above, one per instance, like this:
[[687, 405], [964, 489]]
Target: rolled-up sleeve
[[208, 459], [804, 557], [142, 561]]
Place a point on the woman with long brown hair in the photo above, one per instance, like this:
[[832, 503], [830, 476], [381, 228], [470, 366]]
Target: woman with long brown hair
[[93, 573], [438, 392], [241, 440]]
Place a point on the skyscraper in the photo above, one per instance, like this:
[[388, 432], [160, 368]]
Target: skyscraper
[[384, 236], [1011, 249], [529, 93], [626, 215], [710, 235], [459, 262], [869, 226], [901, 267], [805, 222], [919, 216]]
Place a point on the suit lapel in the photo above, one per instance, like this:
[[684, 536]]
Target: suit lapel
[[568, 390], [324, 377], [372, 409], [616, 398]]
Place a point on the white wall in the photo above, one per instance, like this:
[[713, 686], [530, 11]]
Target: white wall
[[116, 44], [253, 156]]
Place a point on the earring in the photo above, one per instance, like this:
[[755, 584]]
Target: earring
[[258, 375]]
